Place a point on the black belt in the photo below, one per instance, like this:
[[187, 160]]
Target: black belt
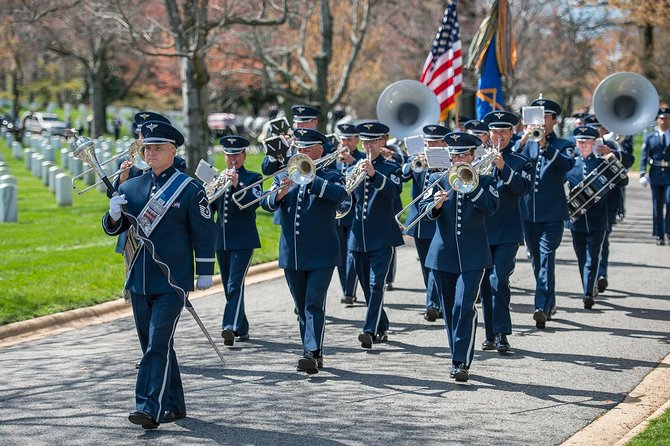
[[659, 163]]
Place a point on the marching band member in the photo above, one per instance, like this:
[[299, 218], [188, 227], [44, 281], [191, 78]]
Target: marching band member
[[422, 232], [347, 270], [237, 237], [308, 246], [174, 214], [392, 152], [545, 207], [479, 129], [512, 173], [614, 196], [656, 153], [374, 232], [459, 253], [588, 230]]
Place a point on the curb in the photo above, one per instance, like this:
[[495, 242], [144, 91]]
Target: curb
[[41, 326], [649, 399]]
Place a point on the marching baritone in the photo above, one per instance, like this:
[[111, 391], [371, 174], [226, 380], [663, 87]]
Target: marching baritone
[[174, 214], [237, 237], [347, 270], [656, 158], [545, 207], [459, 253], [588, 230], [374, 232], [308, 245], [423, 231], [512, 173]]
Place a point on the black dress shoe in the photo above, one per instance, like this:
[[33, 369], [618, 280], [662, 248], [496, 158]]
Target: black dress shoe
[[552, 312], [540, 318], [389, 287], [171, 416], [142, 418], [228, 337], [501, 343], [242, 338], [383, 336], [588, 302], [660, 241], [461, 373], [452, 372], [319, 364], [348, 300], [488, 344], [602, 284], [308, 363], [137, 364], [432, 314], [366, 339]]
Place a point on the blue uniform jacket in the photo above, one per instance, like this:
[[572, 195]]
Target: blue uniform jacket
[[595, 218], [546, 200], [653, 154], [236, 228], [374, 225], [348, 219], [308, 237], [513, 182], [187, 226], [460, 243], [426, 227]]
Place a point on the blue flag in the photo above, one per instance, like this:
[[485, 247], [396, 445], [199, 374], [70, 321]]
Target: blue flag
[[489, 91]]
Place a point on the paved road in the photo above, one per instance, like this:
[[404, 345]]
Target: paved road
[[77, 387]]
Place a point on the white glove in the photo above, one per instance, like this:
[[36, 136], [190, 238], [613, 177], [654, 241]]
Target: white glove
[[644, 181], [204, 282], [115, 204]]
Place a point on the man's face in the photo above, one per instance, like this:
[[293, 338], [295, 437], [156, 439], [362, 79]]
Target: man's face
[[663, 123], [549, 122], [310, 124], [501, 137], [374, 147], [313, 152], [159, 156], [467, 157], [350, 142], [585, 147], [236, 161]]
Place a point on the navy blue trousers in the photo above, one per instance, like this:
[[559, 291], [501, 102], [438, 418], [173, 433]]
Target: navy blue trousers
[[309, 290], [432, 297], [158, 387], [660, 196], [459, 292], [587, 247], [496, 294], [542, 240], [346, 270], [372, 268], [234, 266], [605, 251], [390, 277]]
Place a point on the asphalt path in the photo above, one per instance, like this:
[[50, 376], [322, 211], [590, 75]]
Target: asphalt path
[[77, 387]]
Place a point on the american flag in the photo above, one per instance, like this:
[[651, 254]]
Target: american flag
[[442, 71]]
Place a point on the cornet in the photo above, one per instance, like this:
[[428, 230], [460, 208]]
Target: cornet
[[134, 153], [352, 179], [536, 133], [418, 163]]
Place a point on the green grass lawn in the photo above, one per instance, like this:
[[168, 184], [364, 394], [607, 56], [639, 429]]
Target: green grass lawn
[[657, 433]]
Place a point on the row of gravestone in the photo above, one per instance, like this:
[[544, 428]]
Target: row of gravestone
[[8, 194]]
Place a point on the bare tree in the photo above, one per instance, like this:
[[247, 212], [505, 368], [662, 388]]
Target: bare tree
[[188, 31]]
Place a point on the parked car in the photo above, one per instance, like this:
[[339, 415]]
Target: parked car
[[39, 122]]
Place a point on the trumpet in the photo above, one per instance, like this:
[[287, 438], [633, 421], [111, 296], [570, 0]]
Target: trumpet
[[418, 163], [352, 179], [484, 165], [536, 133], [462, 178], [134, 153]]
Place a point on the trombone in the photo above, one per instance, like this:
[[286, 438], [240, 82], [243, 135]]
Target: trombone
[[134, 152], [462, 178], [297, 170]]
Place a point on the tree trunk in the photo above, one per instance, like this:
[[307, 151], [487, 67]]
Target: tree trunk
[[194, 79], [98, 106], [17, 85], [322, 61], [647, 58]]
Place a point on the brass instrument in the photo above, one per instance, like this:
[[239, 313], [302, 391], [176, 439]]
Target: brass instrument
[[484, 165], [134, 153], [352, 179], [536, 133], [418, 163], [214, 185], [407, 106]]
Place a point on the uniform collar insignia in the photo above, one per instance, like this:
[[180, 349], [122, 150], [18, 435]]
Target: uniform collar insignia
[[144, 116], [152, 126]]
